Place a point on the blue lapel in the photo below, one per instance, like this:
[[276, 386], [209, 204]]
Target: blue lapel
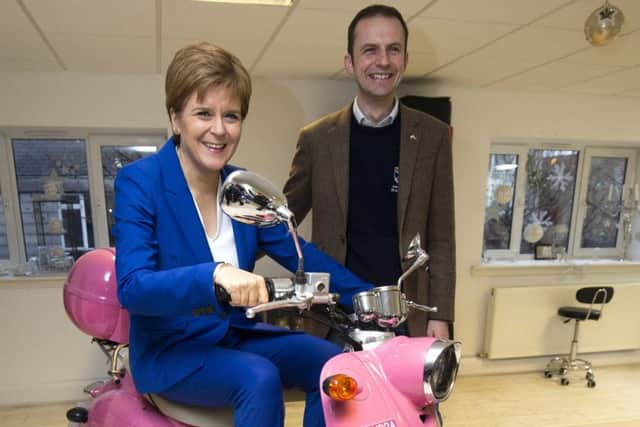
[[185, 214], [181, 203]]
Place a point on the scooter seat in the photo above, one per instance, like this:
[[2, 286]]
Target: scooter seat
[[197, 416]]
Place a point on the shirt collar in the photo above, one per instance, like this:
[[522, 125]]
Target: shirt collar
[[363, 121]]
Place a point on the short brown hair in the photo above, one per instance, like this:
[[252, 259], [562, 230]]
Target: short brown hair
[[198, 67], [370, 12]]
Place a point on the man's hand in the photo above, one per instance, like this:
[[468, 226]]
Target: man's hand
[[245, 289], [438, 329]]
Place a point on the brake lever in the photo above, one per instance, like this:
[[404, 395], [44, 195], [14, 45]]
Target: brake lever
[[295, 302], [421, 307], [274, 305]]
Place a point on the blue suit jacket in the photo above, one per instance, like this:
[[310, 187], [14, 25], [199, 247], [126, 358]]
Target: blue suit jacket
[[165, 271]]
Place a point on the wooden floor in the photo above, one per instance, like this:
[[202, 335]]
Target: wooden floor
[[515, 400]]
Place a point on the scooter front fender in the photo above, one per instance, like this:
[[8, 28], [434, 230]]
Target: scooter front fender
[[377, 402]]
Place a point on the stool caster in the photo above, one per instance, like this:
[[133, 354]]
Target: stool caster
[[564, 381], [548, 374], [591, 380]]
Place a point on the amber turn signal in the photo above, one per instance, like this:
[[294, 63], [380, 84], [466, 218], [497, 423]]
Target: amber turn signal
[[340, 387]]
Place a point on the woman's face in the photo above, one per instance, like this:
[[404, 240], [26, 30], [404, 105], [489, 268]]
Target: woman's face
[[209, 130]]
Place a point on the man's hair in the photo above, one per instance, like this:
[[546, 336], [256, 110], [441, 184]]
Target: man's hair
[[371, 11]]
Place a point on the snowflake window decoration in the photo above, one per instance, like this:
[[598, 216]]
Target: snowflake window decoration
[[540, 217], [559, 177]]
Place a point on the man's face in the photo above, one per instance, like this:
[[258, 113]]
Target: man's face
[[379, 58]]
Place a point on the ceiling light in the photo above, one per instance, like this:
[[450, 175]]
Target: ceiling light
[[603, 24], [254, 2]]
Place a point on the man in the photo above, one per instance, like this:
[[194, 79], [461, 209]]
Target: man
[[375, 173]]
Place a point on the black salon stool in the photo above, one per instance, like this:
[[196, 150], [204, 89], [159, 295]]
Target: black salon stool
[[560, 366]]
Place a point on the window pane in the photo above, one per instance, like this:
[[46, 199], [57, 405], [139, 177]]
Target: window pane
[[113, 159], [53, 189], [4, 245], [604, 199], [499, 201], [551, 181]]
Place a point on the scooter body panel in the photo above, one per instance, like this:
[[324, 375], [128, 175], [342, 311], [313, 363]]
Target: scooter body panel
[[378, 403], [120, 405]]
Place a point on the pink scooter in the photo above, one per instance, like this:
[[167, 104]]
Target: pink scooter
[[380, 381]]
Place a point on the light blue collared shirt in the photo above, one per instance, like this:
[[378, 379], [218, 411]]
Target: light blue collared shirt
[[363, 121]]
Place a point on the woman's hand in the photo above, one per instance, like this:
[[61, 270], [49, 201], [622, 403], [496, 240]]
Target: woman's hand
[[245, 289]]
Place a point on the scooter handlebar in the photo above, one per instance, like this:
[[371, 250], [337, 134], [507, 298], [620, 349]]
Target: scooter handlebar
[[223, 296]]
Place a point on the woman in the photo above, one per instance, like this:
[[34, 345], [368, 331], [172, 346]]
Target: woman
[[173, 243]]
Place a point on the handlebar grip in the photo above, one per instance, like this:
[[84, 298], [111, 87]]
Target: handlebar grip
[[271, 288], [223, 296]]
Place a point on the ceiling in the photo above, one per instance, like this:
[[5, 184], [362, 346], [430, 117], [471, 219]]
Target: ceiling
[[531, 45]]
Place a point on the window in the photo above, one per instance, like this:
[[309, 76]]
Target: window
[[608, 188], [500, 197], [550, 186], [114, 154], [4, 243], [53, 183], [565, 200], [62, 190]]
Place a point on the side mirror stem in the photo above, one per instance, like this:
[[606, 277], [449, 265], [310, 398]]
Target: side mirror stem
[[293, 229]]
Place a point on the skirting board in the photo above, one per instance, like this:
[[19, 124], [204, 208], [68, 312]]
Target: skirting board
[[475, 365], [71, 391], [523, 322]]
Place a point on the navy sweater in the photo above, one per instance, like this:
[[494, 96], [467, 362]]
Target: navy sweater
[[372, 223]]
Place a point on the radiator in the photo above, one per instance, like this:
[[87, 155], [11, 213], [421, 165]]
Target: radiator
[[523, 322]]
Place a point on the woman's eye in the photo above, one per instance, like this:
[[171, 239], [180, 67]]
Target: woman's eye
[[203, 113], [232, 116]]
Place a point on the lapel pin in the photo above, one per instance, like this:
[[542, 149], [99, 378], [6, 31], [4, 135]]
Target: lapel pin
[[412, 137]]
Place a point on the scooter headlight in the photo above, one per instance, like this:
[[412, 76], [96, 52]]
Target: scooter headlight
[[440, 370]]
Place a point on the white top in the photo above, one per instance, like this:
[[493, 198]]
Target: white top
[[364, 121], [223, 244]]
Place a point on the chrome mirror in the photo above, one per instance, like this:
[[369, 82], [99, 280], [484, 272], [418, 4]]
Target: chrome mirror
[[252, 199], [414, 248], [415, 253]]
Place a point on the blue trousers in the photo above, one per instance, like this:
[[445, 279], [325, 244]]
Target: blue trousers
[[248, 372]]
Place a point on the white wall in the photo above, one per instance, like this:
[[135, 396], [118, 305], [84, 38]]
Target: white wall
[[40, 370], [482, 116]]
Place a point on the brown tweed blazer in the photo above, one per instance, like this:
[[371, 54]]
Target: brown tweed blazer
[[319, 181]]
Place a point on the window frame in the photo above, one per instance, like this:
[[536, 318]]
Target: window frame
[[521, 147], [99, 202], [589, 153], [521, 151], [94, 139]]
